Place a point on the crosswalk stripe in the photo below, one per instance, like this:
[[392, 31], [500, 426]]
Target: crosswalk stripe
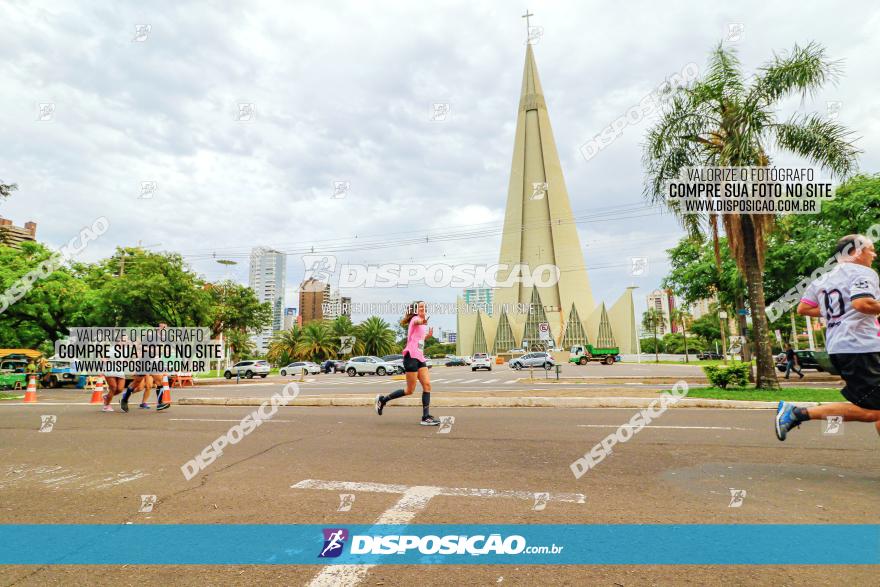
[[453, 380], [491, 380], [511, 381], [471, 381]]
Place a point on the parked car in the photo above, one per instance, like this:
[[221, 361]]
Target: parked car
[[248, 369], [333, 366], [706, 356], [806, 360], [516, 351], [372, 365], [538, 359], [299, 367], [396, 360], [481, 361], [455, 362]]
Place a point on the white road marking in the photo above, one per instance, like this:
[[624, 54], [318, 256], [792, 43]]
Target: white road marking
[[413, 500], [668, 427], [453, 380], [491, 381], [471, 381], [218, 420], [511, 381]]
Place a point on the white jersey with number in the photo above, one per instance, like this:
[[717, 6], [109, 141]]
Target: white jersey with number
[[848, 330]]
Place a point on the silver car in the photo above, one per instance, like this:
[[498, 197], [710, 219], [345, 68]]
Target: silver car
[[537, 359], [373, 365]]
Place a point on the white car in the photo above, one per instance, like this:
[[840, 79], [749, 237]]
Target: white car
[[301, 366], [481, 361], [373, 365], [248, 369]]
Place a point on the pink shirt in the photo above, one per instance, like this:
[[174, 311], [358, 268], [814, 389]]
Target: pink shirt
[[415, 339]]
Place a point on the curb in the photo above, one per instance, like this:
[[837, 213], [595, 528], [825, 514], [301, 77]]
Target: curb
[[498, 402]]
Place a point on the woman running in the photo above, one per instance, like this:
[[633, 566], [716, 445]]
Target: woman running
[[115, 384], [414, 363]]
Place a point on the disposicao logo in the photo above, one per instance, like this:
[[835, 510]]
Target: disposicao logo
[[334, 540]]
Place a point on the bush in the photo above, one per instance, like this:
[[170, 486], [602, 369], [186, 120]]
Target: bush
[[736, 374]]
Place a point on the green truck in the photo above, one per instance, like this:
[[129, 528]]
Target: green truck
[[581, 355]]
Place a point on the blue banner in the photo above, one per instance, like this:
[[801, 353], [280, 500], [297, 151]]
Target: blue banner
[[599, 544]]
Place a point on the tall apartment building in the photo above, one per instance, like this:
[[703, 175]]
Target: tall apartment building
[[13, 236], [290, 318], [268, 273], [481, 297], [312, 295], [663, 301], [319, 301]]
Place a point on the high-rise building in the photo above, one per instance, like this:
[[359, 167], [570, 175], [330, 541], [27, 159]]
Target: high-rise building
[[268, 272], [290, 315], [313, 295], [540, 234], [478, 297], [663, 301], [13, 236]]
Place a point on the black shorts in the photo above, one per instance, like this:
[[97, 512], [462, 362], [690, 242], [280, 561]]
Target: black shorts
[[411, 364], [861, 371]]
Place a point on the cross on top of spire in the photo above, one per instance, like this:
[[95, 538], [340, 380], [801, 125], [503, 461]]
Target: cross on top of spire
[[526, 16]]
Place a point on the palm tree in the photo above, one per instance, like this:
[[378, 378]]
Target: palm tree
[[375, 336], [240, 344], [317, 342], [682, 317], [726, 120], [651, 320], [282, 347]]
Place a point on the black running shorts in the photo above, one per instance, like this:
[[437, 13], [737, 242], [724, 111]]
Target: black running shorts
[[411, 364], [861, 371]]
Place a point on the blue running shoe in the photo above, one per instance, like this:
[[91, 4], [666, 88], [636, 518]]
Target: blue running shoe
[[785, 419]]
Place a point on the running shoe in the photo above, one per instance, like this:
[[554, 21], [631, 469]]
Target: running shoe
[[785, 419], [123, 402], [380, 405], [144, 406], [430, 421], [162, 406], [107, 408]]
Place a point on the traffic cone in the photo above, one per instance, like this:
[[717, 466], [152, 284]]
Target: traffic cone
[[166, 391], [98, 392], [30, 396]]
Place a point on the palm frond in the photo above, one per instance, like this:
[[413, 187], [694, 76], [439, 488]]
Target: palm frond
[[820, 140], [803, 69]]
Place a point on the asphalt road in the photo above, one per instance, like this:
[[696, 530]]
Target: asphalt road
[[93, 467]]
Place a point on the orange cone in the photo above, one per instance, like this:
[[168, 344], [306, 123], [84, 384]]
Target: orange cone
[[30, 396], [98, 392], [166, 391]]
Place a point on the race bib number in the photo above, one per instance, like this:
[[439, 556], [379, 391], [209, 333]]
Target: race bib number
[[421, 345]]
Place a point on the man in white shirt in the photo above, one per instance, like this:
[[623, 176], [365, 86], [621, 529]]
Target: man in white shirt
[[849, 299]]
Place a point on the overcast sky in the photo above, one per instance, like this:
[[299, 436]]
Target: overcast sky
[[343, 91]]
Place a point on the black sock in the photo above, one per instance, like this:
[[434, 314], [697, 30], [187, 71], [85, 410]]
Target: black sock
[[426, 402], [800, 414], [393, 395]]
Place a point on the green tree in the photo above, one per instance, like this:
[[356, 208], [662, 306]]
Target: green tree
[[375, 336], [235, 307], [317, 342], [724, 119], [135, 287], [47, 307], [683, 318], [283, 346], [707, 328], [651, 321], [240, 345]]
